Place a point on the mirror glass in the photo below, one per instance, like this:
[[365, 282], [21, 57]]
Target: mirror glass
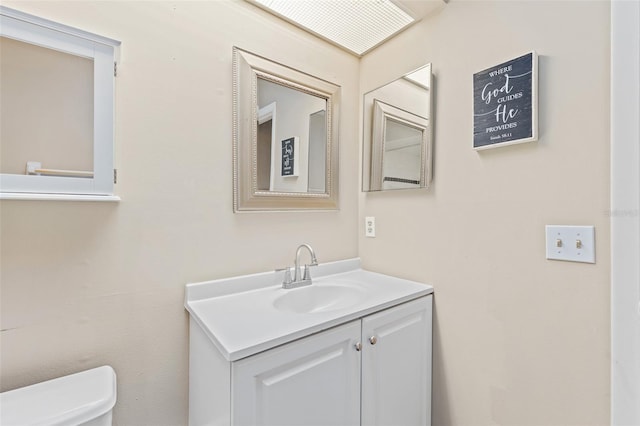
[[42, 85], [285, 137], [397, 148], [292, 139]]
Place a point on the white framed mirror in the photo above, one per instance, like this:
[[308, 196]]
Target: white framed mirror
[[398, 134], [58, 94], [285, 137]]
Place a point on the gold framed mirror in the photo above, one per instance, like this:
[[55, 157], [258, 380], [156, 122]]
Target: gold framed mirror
[[285, 137]]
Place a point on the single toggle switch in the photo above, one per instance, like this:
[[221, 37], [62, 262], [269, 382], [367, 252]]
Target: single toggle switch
[[559, 246]]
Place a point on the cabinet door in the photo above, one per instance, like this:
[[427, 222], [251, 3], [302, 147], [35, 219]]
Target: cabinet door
[[396, 365], [312, 381]]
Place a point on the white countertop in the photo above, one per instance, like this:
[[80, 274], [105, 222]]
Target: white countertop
[[239, 316]]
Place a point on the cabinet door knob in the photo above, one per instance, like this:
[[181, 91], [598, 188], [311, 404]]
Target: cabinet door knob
[[358, 346], [373, 340]]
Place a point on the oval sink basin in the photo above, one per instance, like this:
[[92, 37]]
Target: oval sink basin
[[316, 298]]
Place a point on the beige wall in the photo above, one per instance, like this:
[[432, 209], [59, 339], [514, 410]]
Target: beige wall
[[518, 340], [85, 284]]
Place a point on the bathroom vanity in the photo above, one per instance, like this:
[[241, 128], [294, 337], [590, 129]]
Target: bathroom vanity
[[353, 348]]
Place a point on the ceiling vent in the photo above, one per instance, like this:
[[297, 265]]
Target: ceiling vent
[[355, 25]]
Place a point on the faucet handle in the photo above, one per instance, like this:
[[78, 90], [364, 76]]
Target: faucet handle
[[307, 273], [287, 274]]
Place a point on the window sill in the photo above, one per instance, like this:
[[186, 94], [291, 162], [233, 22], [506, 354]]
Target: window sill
[[57, 197]]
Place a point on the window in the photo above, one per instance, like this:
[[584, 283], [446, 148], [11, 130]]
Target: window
[[57, 115]]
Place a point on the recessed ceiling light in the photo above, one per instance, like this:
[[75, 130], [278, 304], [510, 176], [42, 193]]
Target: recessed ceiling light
[[355, 25]]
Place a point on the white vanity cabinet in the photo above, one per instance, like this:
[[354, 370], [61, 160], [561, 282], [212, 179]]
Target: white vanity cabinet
[[396, 365], [313, 381], [375, 370], [353, 348]]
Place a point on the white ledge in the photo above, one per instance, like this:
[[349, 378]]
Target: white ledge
[[57, 197]]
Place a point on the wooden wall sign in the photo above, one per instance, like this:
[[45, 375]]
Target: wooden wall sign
[[505, 104]]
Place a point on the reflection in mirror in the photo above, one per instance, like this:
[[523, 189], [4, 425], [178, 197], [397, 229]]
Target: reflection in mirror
[[397, 148], [302, 116], [285, 137], [54, 89]]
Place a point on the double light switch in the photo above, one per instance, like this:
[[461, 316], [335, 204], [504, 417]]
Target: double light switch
[[571, 243]]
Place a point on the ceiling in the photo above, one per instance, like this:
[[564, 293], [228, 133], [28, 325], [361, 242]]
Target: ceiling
[[421, 8]]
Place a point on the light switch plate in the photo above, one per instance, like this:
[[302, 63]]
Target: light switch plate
[[571, 243]]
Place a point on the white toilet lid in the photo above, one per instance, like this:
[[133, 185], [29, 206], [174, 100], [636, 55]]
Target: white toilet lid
[[67, 400]]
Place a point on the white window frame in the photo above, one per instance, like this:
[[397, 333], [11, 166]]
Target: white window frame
[[41, 32]]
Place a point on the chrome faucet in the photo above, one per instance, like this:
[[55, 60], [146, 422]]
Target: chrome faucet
[[314, 262], [300, 278]]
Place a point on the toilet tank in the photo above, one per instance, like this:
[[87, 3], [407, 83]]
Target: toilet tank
[[86, 398]]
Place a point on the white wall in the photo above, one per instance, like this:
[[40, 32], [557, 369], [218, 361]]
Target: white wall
[[518, 340], [625, 213], [85, 284]]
